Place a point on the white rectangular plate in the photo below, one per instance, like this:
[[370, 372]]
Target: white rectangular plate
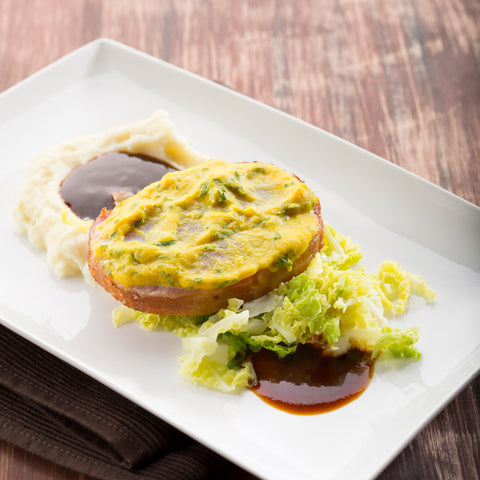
[[389, 212]]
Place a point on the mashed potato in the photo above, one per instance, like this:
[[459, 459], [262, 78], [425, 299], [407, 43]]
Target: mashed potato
[[40, 211]]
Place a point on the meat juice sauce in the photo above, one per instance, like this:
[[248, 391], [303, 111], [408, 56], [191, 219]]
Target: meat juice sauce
[[89, 188], [307, 383]]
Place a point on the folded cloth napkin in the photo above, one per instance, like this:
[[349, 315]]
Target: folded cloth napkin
[[53, 410]]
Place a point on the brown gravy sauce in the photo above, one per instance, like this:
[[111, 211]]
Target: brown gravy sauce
[[305, 383], [88, 188]]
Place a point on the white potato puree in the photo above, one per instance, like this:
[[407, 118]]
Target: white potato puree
[[40, 211]]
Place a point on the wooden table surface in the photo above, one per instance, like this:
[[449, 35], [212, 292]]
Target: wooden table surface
[[400, 78]]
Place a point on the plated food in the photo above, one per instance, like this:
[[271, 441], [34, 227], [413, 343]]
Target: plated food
[[198, 237], [233, 257]]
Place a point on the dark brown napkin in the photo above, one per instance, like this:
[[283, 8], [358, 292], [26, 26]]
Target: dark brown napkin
[[53, 410]]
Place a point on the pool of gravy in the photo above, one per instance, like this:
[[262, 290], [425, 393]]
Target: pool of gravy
[[90, 187], [306, 383]]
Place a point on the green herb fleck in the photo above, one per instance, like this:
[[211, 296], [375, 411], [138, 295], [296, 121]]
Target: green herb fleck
[[168, 277], [226, 232], [165, 243], [260, 223], [221, 196], [203, 189], [283, 262]]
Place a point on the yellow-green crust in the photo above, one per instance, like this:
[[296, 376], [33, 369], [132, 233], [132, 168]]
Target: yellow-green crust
[[207, 227]]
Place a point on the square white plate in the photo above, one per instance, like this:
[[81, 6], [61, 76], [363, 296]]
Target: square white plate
[[391, 213]]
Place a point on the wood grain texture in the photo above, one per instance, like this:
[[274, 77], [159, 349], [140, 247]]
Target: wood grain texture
[[400, 78]]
